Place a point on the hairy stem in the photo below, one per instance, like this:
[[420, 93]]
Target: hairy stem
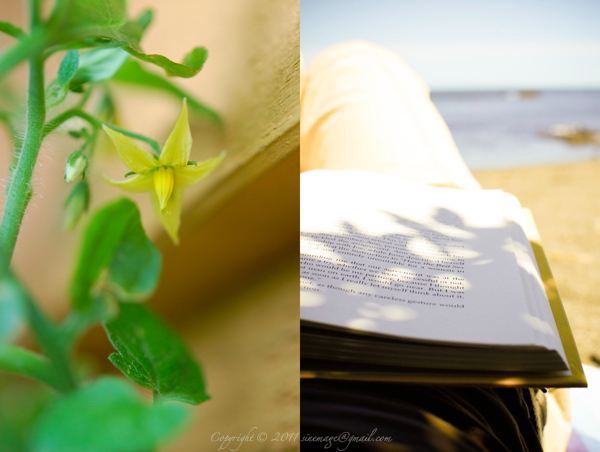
[[56, 371], [19, 189]]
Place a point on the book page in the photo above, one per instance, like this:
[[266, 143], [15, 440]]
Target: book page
[[380, 255], [540, 315]]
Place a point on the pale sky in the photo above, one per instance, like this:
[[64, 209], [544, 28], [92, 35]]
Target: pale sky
[[470, 44]]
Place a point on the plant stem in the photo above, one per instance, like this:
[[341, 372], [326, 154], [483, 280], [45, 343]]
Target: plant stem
[[34, 14], [52, 342], [94, 122], [65, 116], [26, 48], [19, 189], [18, 194], [19, 361], [51, 339]]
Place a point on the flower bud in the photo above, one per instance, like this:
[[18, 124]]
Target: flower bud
[[75, 167], [76, 204]]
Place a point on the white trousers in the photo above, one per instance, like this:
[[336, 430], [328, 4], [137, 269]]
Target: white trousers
[[363, 108]]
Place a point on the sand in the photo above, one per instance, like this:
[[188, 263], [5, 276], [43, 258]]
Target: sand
[[565, 201]]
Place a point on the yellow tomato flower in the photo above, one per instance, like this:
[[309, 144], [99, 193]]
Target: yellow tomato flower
[[166, 176]]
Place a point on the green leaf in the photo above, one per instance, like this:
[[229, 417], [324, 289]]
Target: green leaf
[[56, 91], [102, 308], [153, 356], [98, 65], [100, 19], [145, 19], [114, 243], [128, 34], [196, 58], [135, 265], [81, 133], [107, 416], [55, 94], [104, 43], [22, 400], [11, 30], [68, 67], [192, 64], [133, 72], [106, 20], [95, 12]]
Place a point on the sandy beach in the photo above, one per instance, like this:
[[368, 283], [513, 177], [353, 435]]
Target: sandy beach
[[565, 201]]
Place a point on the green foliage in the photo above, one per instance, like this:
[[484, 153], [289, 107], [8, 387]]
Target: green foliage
[[99, 13], [49, 337], [81, 133], [116, 266], [99, 19], [107, 416], [68, 67], [145, 19], [23, 362], [98, 65], [135, 265], [56, 91], [22, 400], [196, 58], [101, 308], [11, 30], [55, 94], [76, 24], [105, 23], [133, 72], [152, 356], [192, 63], [76, 204], [115, 243]]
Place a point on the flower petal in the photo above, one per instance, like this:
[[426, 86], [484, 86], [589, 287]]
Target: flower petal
[[163, 185], [137, 183], [170, 218], [189, 175], [135, 158], [177, 148]]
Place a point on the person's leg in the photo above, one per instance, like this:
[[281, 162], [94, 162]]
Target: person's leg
[[364, 108]]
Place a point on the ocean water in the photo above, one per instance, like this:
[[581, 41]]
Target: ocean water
[[504, 130]]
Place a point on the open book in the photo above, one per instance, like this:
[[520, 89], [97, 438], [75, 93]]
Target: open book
[[408, 282]]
